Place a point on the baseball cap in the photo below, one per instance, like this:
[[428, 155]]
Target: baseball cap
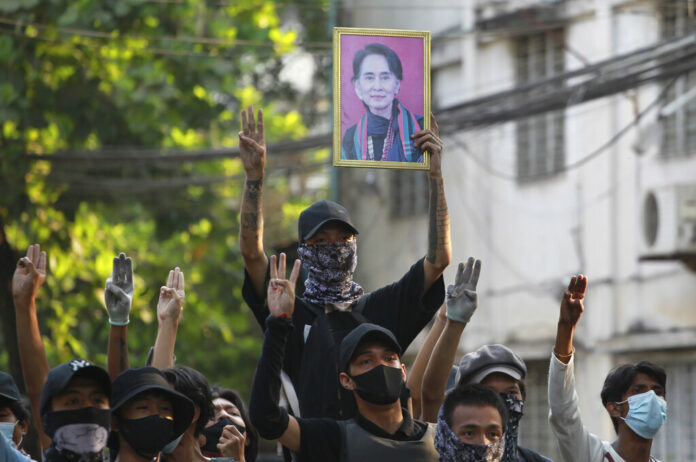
[[134, 381], [59, 376], [476, 366], [316, 215], [8, 387], [360, 334]]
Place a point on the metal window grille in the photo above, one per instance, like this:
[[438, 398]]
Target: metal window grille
[[540, 138], [535, 432], [679, 129], [409, 193]]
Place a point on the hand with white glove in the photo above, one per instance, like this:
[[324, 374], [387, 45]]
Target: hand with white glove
[[119, 291], [461, 297]]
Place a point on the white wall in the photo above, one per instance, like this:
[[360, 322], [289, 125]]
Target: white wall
[[527, 233]]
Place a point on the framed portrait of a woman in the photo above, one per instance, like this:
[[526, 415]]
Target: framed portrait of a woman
[[381, 97]]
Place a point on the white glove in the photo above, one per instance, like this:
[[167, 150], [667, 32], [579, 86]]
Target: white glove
[[461, 297], [119, 291]]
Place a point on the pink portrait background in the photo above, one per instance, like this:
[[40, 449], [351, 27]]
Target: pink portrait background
[[410, 52]]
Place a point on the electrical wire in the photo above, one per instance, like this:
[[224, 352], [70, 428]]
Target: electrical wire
[[573, 165]]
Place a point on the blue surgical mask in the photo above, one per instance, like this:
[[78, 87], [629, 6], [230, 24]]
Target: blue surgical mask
[[7, 430], [647, 412]]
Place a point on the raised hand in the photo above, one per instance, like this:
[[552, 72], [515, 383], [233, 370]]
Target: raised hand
[[29, 275], [172, 295], [572, 304], [281, 291], [118, 294], [461, 297], [429, 140], [252, 144], [231, 443]]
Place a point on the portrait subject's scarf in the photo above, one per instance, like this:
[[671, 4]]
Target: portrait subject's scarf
[[451, 449], [371, 126], [515, 407], [330, 268]]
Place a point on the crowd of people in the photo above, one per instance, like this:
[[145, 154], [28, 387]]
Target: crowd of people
[[330, 384]]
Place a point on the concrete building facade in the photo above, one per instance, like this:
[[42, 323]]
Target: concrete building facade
[[517, 202]]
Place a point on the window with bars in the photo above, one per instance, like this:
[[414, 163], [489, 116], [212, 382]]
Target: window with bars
[[535, 432], [540, 138], [679, 128], [408, 193]]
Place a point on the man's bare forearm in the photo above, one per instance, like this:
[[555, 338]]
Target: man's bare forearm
[[439, 246], [251, 234], [163, 354], [439, 367], [251, 230], [33, 358], [117, 351]]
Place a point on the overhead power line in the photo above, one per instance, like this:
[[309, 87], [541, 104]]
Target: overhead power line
[[581, 161], [661, 61]]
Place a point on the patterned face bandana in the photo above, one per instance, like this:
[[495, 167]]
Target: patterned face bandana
[[451, 449], [330, 268], [515, 407]]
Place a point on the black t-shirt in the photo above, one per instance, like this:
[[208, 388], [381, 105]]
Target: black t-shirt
[[321, 439], [402, 307]]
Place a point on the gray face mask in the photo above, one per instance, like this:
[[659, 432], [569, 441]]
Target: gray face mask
[[86, 438]]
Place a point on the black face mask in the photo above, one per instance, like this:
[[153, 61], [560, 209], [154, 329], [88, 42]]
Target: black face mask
[[147, 436], [78, 435], [214, 432], [515, 407], [380, 385]]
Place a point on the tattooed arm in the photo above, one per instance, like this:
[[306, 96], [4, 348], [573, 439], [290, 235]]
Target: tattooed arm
[[439, 247], [252, 150]]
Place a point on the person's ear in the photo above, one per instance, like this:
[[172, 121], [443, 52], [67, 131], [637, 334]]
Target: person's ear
[[196, 415], [398, 87], [346, 381], [615, 410], [23, 426], [403, 371]]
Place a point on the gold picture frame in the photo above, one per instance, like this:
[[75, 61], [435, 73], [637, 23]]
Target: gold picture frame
[[359, 150]]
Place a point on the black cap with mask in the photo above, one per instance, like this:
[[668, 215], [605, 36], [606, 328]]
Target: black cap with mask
[[149, 435], [318, 214]]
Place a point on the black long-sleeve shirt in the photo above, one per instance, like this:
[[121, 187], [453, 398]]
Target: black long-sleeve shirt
[[311, 348], [320, 438]]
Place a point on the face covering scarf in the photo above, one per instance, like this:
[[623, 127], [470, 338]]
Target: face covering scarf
[[380, 385], [515, 407], [78, 435], [148, 435], [214, 432], [451, 449], [330, 268], [647, 412]]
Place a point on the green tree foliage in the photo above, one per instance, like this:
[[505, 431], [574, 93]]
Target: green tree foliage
[[110, 76]]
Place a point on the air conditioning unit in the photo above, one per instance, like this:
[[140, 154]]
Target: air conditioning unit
[[669, 223]]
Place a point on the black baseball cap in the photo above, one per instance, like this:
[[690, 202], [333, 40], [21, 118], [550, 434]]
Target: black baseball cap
[[316, 215], [477, 365], [59, 376], [8, 387], [134, 381], [364, 332]]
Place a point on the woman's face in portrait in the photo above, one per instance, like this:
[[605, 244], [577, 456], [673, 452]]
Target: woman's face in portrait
[[376, 85]]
